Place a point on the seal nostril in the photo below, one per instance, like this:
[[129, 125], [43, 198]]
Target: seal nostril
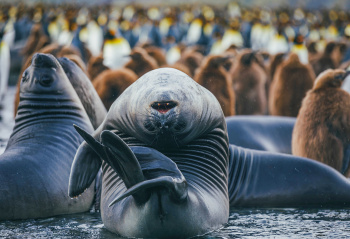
[[158, 125]]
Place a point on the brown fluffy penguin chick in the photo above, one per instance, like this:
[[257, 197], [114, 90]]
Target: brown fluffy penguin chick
[[157, 53], [96, 67], [275, 61], [249, 84], [322, 128], [232, 57], [111, 83], [329, 59], [77, 60], [192, 59], [36, 40], [312, 49], [291, 82], [213, 76], [60, 50], [141, 62]]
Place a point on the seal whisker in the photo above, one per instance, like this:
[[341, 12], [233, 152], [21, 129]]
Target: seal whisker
[[175, 140]]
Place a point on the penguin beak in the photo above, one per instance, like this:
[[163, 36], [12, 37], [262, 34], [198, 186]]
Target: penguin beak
[[342, 76], [347, 73]]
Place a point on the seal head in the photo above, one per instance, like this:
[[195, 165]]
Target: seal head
[[45, 76], [165, 108], [163, 149]]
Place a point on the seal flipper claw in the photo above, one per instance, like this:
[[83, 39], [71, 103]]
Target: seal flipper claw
[[85, 166], [177, 188]]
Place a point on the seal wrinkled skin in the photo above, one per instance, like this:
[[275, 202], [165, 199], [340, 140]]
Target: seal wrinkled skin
[[168, 171], [34, 169], [164, 151]]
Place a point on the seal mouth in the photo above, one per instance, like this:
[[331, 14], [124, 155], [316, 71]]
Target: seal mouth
[[163, 107]]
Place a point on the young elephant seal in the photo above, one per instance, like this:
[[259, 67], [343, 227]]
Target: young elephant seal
[[164, 153], [34, 169]]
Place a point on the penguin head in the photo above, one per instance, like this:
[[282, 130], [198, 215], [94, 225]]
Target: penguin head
[[293, 57], [330, 79], [247, 57], [138, 53], [299, 39], [216, 60], [330, 48]]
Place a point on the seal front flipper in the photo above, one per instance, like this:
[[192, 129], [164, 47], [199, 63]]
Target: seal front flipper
[[142, 168], [94, 144], [86, 164], [160, 171], [121, 159]]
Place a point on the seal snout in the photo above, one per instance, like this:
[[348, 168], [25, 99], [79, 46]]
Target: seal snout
[[43, 60], [163, 107], [162, 123]]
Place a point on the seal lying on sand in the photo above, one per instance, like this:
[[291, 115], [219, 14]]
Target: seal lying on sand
[[268, 133], [264, 179], [167, 168], [34, 169], [183, 184]]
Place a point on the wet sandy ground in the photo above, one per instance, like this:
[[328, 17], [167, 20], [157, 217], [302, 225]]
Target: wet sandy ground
[[243, 223]]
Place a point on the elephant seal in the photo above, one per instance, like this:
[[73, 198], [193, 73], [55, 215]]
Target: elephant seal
[[168, 171], [86, 92], [34, 169], [267, 133], [164, 170], [265, 179]]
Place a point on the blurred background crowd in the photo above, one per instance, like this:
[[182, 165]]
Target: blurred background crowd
[[188, 36]]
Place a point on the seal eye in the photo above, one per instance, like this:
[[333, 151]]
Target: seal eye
[[46, 80], [163, 107], [25, 77]]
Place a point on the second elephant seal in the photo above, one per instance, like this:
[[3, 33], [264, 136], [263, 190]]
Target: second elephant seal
[[163, 168]]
